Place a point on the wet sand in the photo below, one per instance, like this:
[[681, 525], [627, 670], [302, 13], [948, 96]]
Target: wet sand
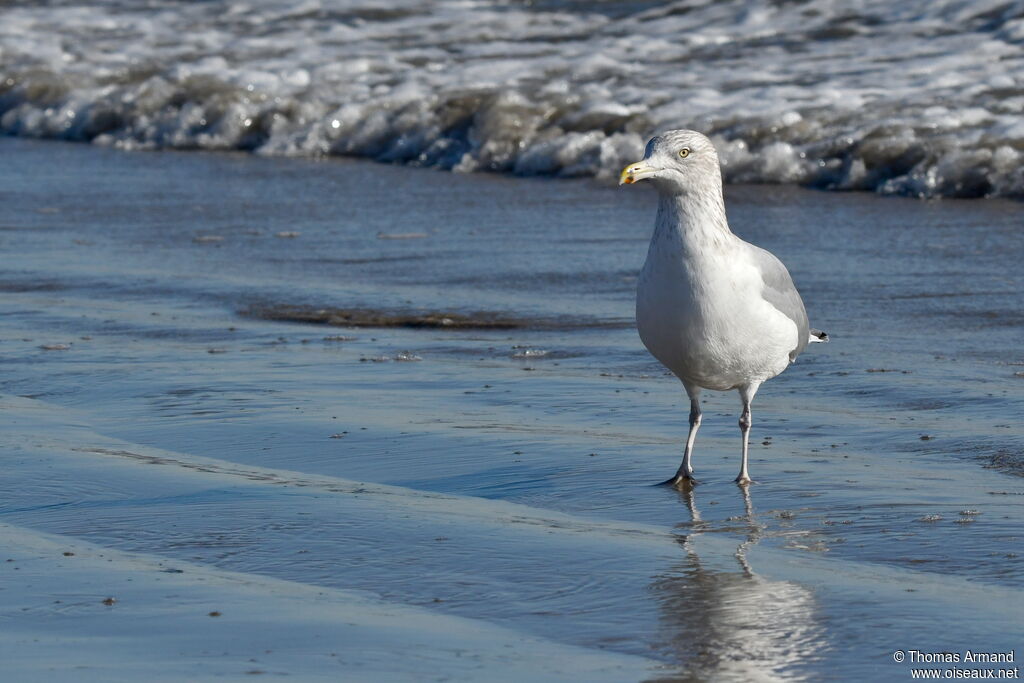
[[182, 389]]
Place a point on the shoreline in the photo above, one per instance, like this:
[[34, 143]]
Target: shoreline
[[605, 180], [498, 477]]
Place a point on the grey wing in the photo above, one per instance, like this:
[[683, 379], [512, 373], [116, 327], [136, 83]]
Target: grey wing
[[781, 293]]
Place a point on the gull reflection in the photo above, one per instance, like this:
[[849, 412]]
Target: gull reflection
[[724, 622]]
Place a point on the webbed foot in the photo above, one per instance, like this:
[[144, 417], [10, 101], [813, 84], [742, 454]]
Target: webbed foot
[[680, 481]]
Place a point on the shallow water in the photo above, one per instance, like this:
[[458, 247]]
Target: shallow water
[[504, 474], [918, 98]]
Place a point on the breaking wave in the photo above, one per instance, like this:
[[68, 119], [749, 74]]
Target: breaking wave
[[920, 98]]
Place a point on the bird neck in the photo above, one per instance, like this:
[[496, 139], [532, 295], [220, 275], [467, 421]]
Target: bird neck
[[695, 220]]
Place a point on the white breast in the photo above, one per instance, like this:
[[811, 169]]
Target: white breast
[[702, 315]]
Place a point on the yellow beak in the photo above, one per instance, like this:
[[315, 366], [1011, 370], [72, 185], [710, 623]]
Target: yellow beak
[[636, 172]]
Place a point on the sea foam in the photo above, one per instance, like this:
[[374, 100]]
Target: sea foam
[[920, 98]]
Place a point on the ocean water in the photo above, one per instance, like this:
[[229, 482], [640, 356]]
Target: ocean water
[[427, 387], [921, 98]]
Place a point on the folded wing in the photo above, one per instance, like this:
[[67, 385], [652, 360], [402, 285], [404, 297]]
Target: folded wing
[[778, 290]]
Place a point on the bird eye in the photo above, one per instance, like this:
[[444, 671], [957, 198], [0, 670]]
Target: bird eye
[[684, 152]]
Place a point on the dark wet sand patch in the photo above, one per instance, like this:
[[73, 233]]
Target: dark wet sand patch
[[371, 317], [1006, 461], [15, 287]]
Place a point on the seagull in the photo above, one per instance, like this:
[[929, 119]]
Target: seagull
[[718, 312]]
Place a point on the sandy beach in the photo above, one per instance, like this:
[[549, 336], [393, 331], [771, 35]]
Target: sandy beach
[[396, 424]]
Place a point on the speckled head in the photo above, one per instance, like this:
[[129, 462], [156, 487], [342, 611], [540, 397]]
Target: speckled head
[[677, 162]]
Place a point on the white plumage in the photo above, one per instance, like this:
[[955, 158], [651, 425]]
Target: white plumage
[[718, 312]]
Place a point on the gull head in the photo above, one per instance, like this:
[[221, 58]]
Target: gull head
[[677, 162]]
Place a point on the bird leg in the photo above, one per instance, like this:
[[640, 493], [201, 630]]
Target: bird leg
[[747, 394], [745, 421], [684, 475], [686, 469]]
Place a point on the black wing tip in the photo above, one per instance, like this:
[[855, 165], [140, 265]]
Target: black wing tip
[[821, 336]]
